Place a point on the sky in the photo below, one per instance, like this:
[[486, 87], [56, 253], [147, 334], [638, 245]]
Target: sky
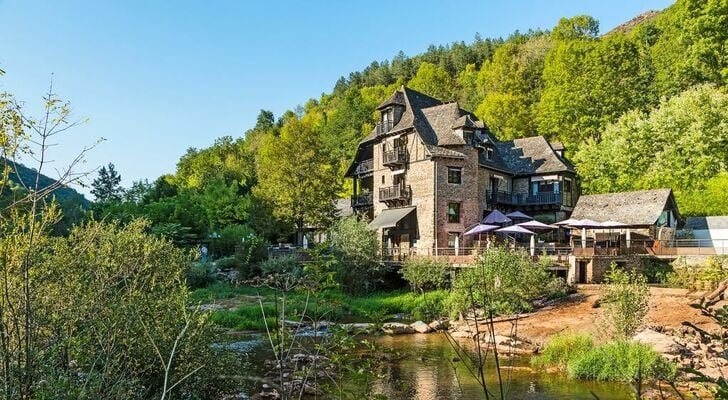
[[155, 78]]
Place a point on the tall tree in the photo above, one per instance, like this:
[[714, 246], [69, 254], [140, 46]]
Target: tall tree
[[107, 186], [434, 81], [296, 176]]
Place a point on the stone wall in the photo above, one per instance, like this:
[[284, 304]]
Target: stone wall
[[465, 193]]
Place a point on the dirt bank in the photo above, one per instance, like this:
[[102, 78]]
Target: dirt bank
[[668, 308]]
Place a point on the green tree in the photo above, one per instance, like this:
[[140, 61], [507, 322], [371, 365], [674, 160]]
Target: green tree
[[107, 186], [434, 81], [296, 176], [580, 27], [625, 298], [681, 144], [358, 266]]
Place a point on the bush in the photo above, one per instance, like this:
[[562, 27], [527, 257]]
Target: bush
[[424, 273], [502, 281], [563, 349], [701, 277], [657, 271], [622, 361], [228, 263], [355, 250], [557, 288], [626, 298], [199, 275]]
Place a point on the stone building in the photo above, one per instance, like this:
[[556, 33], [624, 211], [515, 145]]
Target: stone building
[[429, 170]]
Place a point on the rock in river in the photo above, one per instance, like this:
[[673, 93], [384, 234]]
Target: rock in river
[[397, 328], [421, 327]]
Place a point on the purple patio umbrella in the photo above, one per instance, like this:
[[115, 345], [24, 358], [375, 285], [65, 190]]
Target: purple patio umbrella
[[480, 228], [518, 215], [495, 218]]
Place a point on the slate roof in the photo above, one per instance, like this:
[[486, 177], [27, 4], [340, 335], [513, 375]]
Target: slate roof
[[435, 122], [639, 208]]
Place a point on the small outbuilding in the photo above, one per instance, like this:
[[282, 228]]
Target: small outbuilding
[[708, 231]]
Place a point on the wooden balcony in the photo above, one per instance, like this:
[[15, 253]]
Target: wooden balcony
[[394, 193], [520, 199], [362, 200], [395, 157], [364, 167]]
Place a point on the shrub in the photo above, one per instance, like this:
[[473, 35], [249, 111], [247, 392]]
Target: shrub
[[622, 361], [557, 288], [501, 281], [626, 298], [706, 276], [563, 349], [227, 263], [355, 250], [199, 275], [424, 273], [657, 271]]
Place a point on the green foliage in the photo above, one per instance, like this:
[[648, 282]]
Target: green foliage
[[563, 350], [425, 273], [296, 175], [355, 248], [681, 144], [622, 361], [199, 275], [501, 281], [625, 297], [582, 27], [106, 187], [706, 276], [434, 81]]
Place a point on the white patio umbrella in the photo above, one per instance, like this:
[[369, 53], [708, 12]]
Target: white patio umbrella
[[520, 229], [584, 224], [611, 224], [535, 225], [567, 222]]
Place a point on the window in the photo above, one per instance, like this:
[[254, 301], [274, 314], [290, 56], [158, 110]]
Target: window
[[452, 239], [453, 212], [382, 179], [567, 185], [454, 175], [489, 153]]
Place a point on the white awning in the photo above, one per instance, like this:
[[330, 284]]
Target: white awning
[[544, 178], [398, 172], [388, 218]]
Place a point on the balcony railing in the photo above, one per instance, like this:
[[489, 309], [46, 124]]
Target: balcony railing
[[393, 193], [365, 167], [396, 156], [522, 199], [362, 200], [384, 127]]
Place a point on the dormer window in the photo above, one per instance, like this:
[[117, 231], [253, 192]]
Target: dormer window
[[488, 153], [468, 136]]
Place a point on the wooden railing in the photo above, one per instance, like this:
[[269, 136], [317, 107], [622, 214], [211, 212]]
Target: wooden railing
[[391, 193], [398, 155], [362, 200], [364, 167], [522, 199]]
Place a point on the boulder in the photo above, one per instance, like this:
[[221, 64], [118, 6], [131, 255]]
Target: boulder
[[461, 334], [364, 327], [439, 325], [660, 342], [396, 328], [421, 327]]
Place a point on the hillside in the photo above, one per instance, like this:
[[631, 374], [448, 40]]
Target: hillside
[[64, 195]]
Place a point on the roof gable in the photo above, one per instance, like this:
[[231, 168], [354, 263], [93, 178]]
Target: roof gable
[[642, 207]]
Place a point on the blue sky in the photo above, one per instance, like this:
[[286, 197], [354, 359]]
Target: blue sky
[[155, 78]]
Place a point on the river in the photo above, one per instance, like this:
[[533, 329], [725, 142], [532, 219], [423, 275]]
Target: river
[[427, 368]]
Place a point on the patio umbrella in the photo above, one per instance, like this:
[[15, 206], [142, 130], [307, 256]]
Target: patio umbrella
[[515, 229], [480, 228], [583, 224], [518, 215], [610, 224], [496, 217], [567, 222], [535, 225]]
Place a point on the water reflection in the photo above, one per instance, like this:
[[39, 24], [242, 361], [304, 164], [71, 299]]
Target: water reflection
[[429, 368]]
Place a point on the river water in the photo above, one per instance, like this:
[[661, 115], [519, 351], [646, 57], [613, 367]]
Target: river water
[[427, 367]]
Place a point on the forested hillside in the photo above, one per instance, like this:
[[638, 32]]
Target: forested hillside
[[642, 106]]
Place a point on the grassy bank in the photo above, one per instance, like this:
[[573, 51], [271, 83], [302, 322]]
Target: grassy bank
[[244, 308]]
